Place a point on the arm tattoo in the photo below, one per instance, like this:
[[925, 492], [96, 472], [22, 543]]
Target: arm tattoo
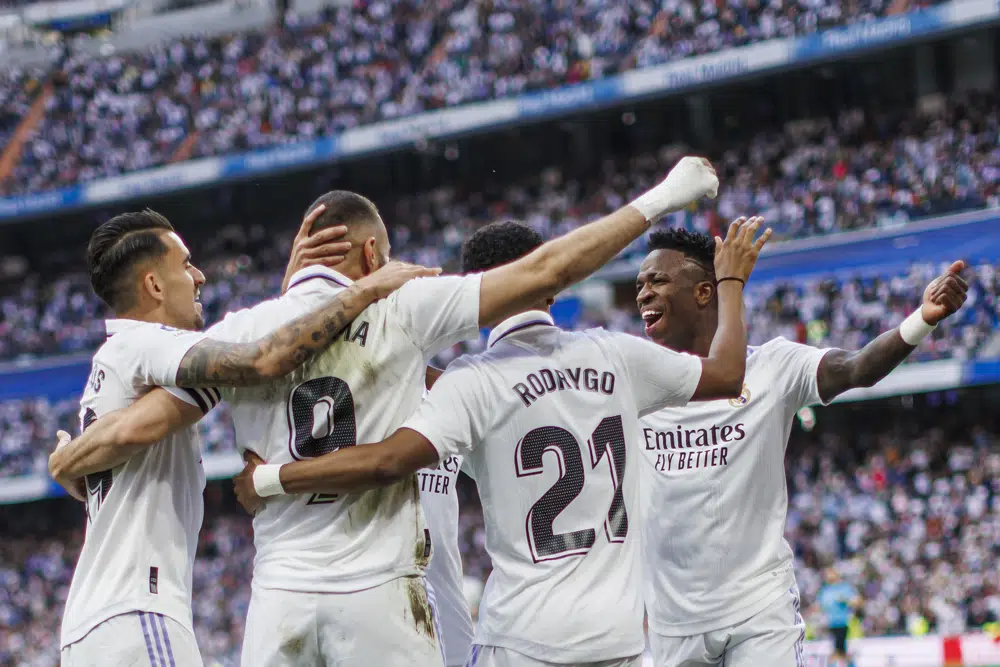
[[212, 363], [840, 370]]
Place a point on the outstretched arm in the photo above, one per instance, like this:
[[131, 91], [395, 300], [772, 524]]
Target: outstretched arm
[[211, 363], [567, 260], [841, 370], [346, 470], [118, 436]]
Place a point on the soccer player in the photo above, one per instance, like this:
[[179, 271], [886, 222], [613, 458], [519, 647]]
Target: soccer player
[[439, 503], [130, 597], [720, 586], [838, 599], [338, 578], [545, 417]]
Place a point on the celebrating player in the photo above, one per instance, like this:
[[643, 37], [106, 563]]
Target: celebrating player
[[338, 578], [713, 500], [130, 598], [544, 417]]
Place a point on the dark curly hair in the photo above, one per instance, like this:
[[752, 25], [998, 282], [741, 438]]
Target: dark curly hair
[[693, 245], [498, 243]]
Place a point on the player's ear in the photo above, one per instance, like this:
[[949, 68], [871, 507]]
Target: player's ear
[[369, 258], [704, 292], [152, 286]]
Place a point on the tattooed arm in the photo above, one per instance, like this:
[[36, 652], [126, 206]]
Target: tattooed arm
[[840, 370], [211, 363]]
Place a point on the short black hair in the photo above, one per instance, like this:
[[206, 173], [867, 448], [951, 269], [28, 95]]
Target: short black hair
[[343, 207], [498, 243], [694, 245], [117, 247]]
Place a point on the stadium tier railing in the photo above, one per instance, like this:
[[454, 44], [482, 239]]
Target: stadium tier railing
[[969, 236], [675, 76]]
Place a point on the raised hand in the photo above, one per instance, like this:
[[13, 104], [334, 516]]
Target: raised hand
[[691, 179], [945, 294], [736, 256], [246, 493], [324, 248], [392, 276]]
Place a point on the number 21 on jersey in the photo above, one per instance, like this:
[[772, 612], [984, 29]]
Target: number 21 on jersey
[[321, 416], [608, 439]]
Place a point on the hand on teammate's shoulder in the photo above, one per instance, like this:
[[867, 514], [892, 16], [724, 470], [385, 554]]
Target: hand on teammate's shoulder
[[945, 294], [392, 276]]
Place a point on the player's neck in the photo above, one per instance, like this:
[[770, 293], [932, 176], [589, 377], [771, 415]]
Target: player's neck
[[141, 314]]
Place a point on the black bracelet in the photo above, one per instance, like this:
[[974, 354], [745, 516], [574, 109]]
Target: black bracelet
[[740, 280]]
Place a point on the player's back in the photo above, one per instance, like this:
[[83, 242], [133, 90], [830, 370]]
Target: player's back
[[360, 390], [143, 517], [552, 414]]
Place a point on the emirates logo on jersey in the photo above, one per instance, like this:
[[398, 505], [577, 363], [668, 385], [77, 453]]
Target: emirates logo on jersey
[[743, 398]]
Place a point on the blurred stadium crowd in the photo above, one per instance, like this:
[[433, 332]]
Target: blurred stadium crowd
[[909, 511], [858, 170], [357, 64]]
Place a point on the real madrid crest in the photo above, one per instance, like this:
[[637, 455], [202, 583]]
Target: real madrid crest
[[743, 398]]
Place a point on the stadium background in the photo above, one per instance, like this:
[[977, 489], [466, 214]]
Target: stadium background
[[866, 132]]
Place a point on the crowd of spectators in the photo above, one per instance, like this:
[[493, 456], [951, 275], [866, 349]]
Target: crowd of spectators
[[905, 503], [859, 170], [346, 66], [839, 312]]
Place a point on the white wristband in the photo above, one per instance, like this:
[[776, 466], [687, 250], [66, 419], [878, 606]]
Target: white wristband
[[914, 329], [655, 203], [266, 481]]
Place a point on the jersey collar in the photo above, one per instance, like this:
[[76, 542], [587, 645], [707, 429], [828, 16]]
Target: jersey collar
[[517, 322], [321, 273], [119, 325]]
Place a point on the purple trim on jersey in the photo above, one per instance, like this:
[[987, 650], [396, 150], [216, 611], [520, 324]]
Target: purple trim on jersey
[[321, 276], [193, 393], [519, 327], [145, 634], [166, 638], [432, 603], [474, 656], [800, 660]]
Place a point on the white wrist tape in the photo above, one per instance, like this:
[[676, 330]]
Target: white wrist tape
[[266, 481], [655, 203], [914, 329]]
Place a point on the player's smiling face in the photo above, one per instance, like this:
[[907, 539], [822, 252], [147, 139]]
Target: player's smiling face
[[667, 289], [181, 284]]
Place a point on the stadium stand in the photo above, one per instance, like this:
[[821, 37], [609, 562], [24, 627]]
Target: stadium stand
[[346, 67]]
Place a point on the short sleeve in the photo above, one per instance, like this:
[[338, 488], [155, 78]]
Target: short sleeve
[[453, 416], [160, 355], [796, 366], [205, 398], [438, 312], [660, 377]]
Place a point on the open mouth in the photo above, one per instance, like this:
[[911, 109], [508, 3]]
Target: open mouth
[[650, 318]]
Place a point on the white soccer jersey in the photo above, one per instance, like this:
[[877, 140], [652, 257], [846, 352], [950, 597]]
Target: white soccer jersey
[[543, 418], [439, 500], [360, 390], [143, 517], [713, 496]]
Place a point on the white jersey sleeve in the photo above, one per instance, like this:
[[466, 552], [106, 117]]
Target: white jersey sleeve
[[660, 377], [161, 352], [800, 365], [438, 312], [454, 415]]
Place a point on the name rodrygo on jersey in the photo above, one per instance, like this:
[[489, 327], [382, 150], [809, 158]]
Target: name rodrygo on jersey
[[143, 517], [547, 421]]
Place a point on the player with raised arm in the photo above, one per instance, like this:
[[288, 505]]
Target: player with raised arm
[[338, 578], [720, 587], [130, 597], [544, 417]]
